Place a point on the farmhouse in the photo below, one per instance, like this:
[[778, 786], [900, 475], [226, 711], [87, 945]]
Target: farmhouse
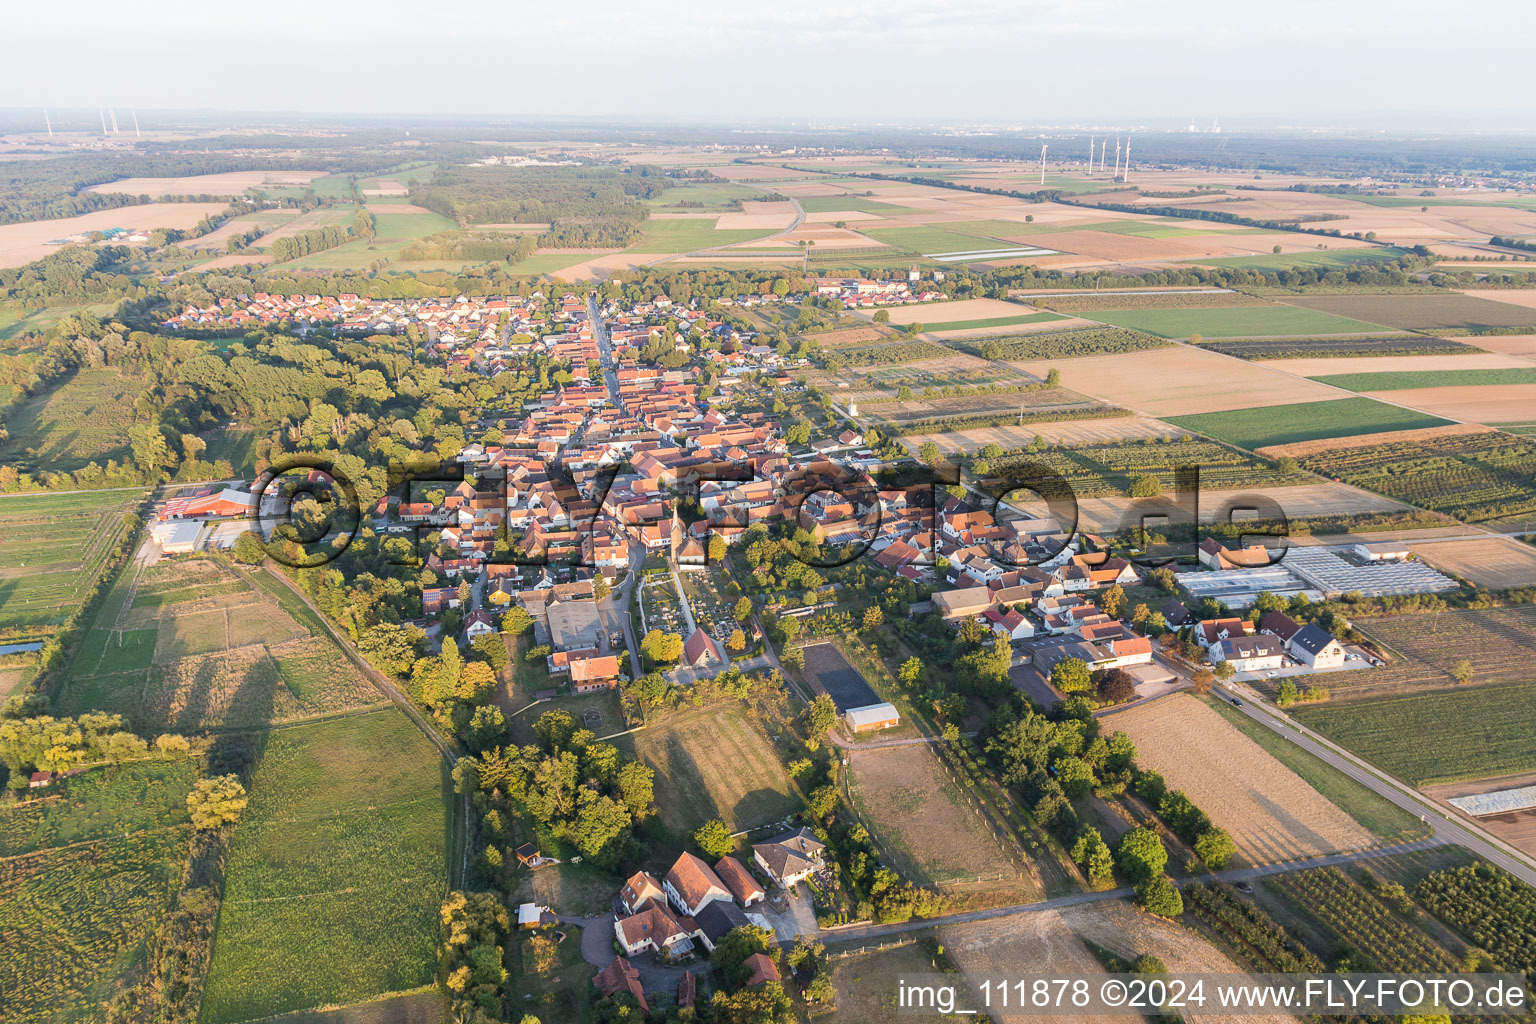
[[791, 858], [1316, 647], [1211, 632], [1249, 653], [621, 976], [740, 881], [594, 672], [872, 718], [639, 891], [652, 928], [692, 885]]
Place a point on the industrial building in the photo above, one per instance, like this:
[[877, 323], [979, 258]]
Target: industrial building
[[1326, 571]]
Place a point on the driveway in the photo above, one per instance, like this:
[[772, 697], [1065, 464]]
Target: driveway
[[798, 919]]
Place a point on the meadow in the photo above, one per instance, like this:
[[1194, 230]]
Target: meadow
[[1409, 379], [853, 204], [661, 237], [1304, 421], [336, 871], [1005, 321], [936, 240], [84, 881], [85, 419], [712, 763], [1235, 322], [53, 547]]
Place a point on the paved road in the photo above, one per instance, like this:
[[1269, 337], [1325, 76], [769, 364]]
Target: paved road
[[862, 933], [604, 350], [1446, 828]]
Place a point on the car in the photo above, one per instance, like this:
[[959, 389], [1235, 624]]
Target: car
[[1243, 887], [1235, 702]]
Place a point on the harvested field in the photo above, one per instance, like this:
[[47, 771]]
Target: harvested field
[[1422, 312], [1304, 421], [999, 949], [1151, 298], [713, 763], [1472, 359], [848, 336], [867, 984], [1510, 344], [924, 823], [1513, 296], [1074, 432], [230, 183], [1272, 815], [23, 243], [938, 313], [1498, 562], [1045, 402], [1304, 501], [1234, 322], [1299, 449], [780, 217], [1482, 403], [1181, 380]]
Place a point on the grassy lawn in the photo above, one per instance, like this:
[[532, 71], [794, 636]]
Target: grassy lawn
[[712, 763], [1236, 322], [1381, 816], [1445, 736], [1304, 421], [335, 873], [1409, 379], [686, 235]]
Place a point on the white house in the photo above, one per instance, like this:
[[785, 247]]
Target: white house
[[1315, 646], [1249, 653]]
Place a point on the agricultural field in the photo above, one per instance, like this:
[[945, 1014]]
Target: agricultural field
[[1425, 648], [342, 849], [686, 234], [1234, 322], [1314, 349], [923, 822], [1272, 814], [1151, 298], [713, 196], [1365, 922], [1442, 736], [20, 244], [86, 419], [43, 581], [1063, 345], [1299, 500], [1183, 380], [937, 240], [1407, 380], [1097, 470], [83, 883], [229, 183], [1038, 403], [1110, 430], [950, 328], [187, 645], [1473, 476], [1497, 562], [1461, 358], [712, 763], [944, 315], [1438, 312], [850, 204], [867, 983], [1305, 421], [1331, 259]]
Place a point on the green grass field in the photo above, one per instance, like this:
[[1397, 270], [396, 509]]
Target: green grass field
[[548, 263], [1003, 321], [1409, 379], [716, 196], [936, 240], [85, 419], [52, 547], [687, 235], [1448, 736], [1304, 421], [1326, 259], [336, 871], [857, 204], [1234, 322], [1442, 311], [395, 226], [84, 881]]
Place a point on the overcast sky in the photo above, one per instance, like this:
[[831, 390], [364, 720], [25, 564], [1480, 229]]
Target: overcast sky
[[1032, 61]]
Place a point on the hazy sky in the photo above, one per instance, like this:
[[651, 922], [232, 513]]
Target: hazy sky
[[1037, 61]]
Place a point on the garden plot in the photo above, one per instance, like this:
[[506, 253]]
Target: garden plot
[[1272, 815]]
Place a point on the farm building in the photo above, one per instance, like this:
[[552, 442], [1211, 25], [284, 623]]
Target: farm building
[[1240, 588], [872, 718], [573, 625], [693, 885], [1384, 552], [718, 920], [176, 538], [740, 881], [652, 928], [640, 890], [594, 672], [791, 858]]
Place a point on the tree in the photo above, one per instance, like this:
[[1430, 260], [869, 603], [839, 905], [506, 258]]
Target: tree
[[1141, 855], [1091, 852], [716, 548], [821, 715], [1224, 670], [1053, 378], [873, 617], [1286, 693], [929, 453], [249, 550], [743, 610], [636, 787], [1116, 686], [882, 316], [216, 802], [1462, 672], [1112, 601], [1164, 579], [1215, 848], [822, 800], [737, 642], [1071, 675], [487, 728], [1074, 775], [516, 621], [661, 648], [554, 729], [1203, 680], [600, 588], [910, 672], [714, 838], [1158, 896], [1145, 485]]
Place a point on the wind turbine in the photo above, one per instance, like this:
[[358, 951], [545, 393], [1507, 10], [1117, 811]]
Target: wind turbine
[[1117, 159], [103, 121], [1127, 160], [113, 115], [47, 122], [136, 133], [1090, 156], [1042, 163]]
